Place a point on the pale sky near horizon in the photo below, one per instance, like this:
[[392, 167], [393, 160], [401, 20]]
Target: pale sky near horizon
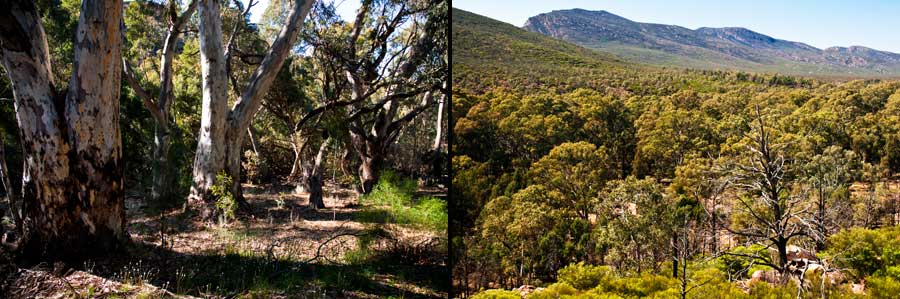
[[822, 24]]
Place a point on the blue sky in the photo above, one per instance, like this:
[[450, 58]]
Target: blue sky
[[822, 24], [346, 8]]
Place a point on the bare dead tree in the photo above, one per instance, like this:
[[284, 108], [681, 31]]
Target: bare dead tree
[[776, 215]]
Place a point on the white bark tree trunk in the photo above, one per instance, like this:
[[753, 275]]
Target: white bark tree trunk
[[439, 125], [222, 132], [72, 143], [210, 156]]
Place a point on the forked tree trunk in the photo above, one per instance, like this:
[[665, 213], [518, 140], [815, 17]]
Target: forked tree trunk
[[371, 157], [314, 180], [298, 144], [72, 143], [165, 178], [222, 131]]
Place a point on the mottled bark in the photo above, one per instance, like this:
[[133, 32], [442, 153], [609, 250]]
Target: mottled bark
[[233, 155], [210, 156], [222, 131], [72, 144], [314, 180], [371, 158], [165, 180]]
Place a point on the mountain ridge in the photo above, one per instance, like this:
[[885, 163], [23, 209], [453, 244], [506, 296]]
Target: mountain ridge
[[736, 48]]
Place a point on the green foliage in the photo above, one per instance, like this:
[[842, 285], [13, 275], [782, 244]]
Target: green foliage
[[584, 277], [255, 169], [392, 201], [883, 287], [641, 223], [578, 170], [497, 294], [766, 291], [555, 290], [737, 265], [866, 251], [225, 201]]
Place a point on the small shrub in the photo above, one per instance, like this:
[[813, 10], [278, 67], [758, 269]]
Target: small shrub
[[554, 291], [225, 201], [882, 287], [583, 277], [644, 285], [866, 251], [254, 166], [392, 201], [497, 294], [734, 266]]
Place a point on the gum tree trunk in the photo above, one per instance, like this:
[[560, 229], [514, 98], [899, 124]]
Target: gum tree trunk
[[298, 144], [72, 144], [222, 131], [164, 188], [210, 156], [314, 179]]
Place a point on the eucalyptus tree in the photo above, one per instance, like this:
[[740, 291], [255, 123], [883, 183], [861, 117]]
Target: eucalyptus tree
[[73, 188], [392, 61], [160, 106], [222, 130], [828, 173]]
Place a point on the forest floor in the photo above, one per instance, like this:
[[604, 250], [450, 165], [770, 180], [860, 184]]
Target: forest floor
[[277, 249]]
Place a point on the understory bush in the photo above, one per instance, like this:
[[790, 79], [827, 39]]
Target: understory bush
[[393, 201], [497, 294], [866, 251], [225, 201]]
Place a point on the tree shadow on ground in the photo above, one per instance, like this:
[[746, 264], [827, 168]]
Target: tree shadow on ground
[[234, 273]]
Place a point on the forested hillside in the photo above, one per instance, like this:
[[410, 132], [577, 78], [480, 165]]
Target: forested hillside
[[578, 174], [175, 149]]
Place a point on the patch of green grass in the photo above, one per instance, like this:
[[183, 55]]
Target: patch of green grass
[[392, 201]]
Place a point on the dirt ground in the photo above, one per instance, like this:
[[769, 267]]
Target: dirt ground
[[279, 249]]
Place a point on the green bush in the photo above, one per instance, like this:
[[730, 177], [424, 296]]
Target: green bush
[[865, 251], [643, 285], [766, 291], [497, 294], [734, 265], [392, 201], [553, 291], [882, 287], [225, 201], [583, 277]]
